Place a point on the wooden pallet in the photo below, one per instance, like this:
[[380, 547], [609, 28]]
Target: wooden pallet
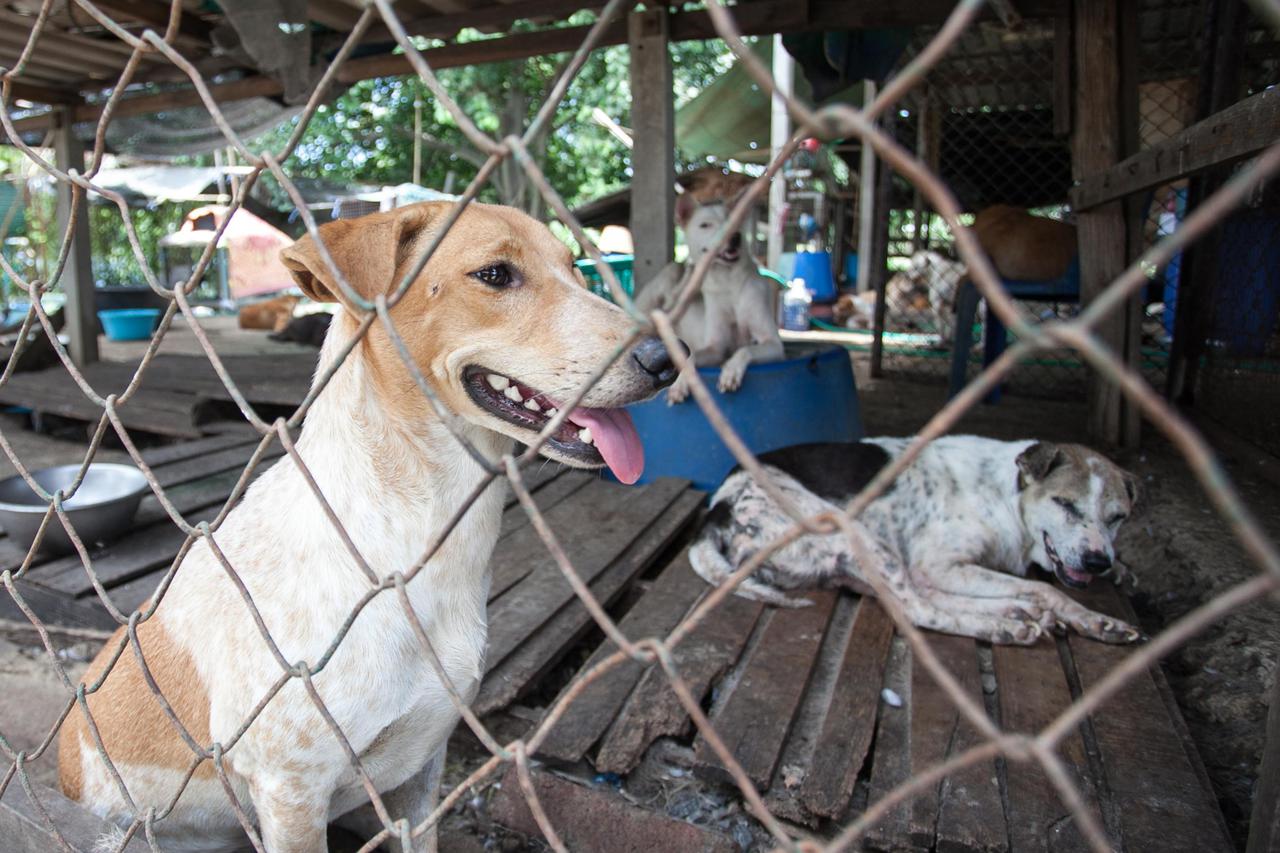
[[611, 533], [795, 694], [172, 392]]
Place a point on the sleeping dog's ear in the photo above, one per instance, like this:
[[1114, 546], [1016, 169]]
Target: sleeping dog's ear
[[368, 251], [1037, 462], [1132, 486]]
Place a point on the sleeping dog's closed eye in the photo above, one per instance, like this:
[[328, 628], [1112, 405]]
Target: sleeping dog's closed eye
[[1069, 506]]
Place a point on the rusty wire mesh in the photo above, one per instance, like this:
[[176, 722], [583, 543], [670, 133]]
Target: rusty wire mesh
[[1075, 334]]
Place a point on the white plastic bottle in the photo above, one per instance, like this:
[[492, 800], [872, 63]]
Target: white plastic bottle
[[795, 306]]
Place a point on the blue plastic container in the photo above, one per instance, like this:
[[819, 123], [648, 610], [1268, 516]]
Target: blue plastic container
[[1245, 306], [815, 269], [129, 324], [808, 397]]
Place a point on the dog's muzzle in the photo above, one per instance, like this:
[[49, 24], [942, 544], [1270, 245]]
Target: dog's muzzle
[[652, 357]]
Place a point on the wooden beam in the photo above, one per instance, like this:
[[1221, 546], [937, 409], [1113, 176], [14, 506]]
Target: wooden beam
[[1101, 231], [653, 157], [76, 280], [1239, 131], [43, 94], [764, 17], [155, 14]]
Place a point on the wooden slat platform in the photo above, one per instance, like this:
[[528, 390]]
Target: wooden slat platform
[[796, 695], [173, 389], [611, 533]]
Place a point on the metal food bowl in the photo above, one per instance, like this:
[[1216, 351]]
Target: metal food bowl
[[100, 510]]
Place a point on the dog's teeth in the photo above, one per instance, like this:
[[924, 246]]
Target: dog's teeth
[[584, 435], [532, 405], [496, 382], [512, 393]]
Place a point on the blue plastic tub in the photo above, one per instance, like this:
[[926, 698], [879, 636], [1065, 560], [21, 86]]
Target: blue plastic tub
[[129, 324], [808, 397]]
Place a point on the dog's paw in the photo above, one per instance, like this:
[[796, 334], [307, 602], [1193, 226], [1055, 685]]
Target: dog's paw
[[678, 392], [731, 377]]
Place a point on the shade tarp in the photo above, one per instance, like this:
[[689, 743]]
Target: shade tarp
[[253, 248]]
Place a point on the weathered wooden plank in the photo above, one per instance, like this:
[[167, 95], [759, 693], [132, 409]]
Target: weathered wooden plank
[[1135, 733], [146, 547], [589, 818], [783, 796], [54, 608], [539, 652], [146, 412], [1033, 690], [24, 829], [1239, 131], [753, 719], [847, 731], [891, 760], [653, 710], [594, 528], [171, 453], [657, 612], [970, 816]]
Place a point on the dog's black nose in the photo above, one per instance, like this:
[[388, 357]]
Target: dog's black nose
[[652, 356], [735, 242], [1096, 562]]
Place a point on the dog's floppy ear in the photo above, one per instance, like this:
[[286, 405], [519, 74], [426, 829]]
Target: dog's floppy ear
[[368, 250], [1133, 487], [686, 204], [1037, 462]]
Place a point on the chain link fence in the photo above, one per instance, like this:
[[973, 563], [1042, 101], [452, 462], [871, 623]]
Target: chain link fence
[[1038, 337]]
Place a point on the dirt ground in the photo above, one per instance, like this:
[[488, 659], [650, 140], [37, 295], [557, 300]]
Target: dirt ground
[[1180, 551]]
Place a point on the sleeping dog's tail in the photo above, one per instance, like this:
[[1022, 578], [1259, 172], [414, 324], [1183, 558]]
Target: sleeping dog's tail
[[708, 560]]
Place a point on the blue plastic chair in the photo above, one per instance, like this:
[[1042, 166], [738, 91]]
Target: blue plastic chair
[[1064, 289]]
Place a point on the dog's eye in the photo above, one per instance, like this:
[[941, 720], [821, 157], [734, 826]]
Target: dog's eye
[[495, 275], [1115, 519], [705, 225], [1069, 506]]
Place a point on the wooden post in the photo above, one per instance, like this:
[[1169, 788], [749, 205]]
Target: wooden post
[[1264, 824], [878, 271], [1198, 279], [1096, 147], [76, 280], [866, 201], [779, 135], [653, 165]]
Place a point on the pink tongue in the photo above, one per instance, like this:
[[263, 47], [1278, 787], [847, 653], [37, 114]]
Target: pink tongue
[[615, 437]]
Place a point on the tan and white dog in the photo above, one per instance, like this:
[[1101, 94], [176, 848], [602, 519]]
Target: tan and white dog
[[503, 330], [733, 321]]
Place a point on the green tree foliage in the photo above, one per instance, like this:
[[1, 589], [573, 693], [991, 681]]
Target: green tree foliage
[[366, 134]]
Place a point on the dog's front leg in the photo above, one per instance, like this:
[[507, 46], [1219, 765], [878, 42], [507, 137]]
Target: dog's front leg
[[293, 812], [412, 802], [1005, 596]]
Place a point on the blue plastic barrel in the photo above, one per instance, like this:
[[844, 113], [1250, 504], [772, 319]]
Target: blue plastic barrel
[[1245, 309], [815, 269], [810, 396]]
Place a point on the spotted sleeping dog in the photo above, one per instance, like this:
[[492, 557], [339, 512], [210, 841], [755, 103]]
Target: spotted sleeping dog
[[957, 532]]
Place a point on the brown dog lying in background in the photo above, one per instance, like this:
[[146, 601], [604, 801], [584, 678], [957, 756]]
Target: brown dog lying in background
[[272, 314], [1024, 247]]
